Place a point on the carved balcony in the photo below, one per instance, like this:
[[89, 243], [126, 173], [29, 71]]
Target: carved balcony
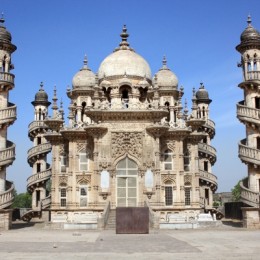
[[35, 152], [35, 127], [209, 127], [252, 75], [7, 155], [38, 178], [8, 115], [7, 197], [208, 151], [7, 79], [248, 154], [209, 178], [248, 196], [248, 114]]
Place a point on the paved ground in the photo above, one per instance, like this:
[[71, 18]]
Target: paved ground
[[35, 242]]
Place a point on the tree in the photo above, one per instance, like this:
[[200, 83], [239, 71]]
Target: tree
[[22, 200], [236, 191]]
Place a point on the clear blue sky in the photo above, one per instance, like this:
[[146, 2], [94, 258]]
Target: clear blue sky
[[197, 37]]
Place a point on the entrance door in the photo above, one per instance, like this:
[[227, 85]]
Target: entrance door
[[126, 183]]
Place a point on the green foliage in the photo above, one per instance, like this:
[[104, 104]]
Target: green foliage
[[236, 192], [22, 200]]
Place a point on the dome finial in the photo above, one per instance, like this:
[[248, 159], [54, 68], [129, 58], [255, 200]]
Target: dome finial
[[249, 20], [164, 62], [2, 19], [124, 35], [41, 85], [201, 85], [85, 61]]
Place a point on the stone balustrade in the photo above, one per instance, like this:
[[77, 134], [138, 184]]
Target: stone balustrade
[[7, 155], [206, 148], [249, 197], [248, 154], [7, 77], [210, 123], [39, 177], [39, 149], [253, 75], [46, 202], [7, 197], [35, 125], [8, 114], [247, 112], [207, 176]]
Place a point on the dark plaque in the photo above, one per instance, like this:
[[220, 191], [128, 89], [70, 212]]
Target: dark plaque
[[132, 220]]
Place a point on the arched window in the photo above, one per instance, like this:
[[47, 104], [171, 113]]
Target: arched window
[[168, 190], [83, 195], [186, 159], [83, 161], [83, 111], [203, 111], [167, 160], [63, 195], [187, 193]]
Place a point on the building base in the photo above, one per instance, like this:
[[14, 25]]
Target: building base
[[251, 217], [5, 219]]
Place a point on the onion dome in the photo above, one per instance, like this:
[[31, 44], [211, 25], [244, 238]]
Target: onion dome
[[124, 61], [41, 97], [250, 37], [165, 77], [202, 95], [84, 78], [5, 36]]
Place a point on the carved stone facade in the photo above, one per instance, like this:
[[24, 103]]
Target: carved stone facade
[[130, 142]]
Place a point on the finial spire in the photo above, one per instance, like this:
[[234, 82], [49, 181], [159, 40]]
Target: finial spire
[[2, 19], [249, 20], [164, 62], [201, 85], [85, 61], [124, 35], [41, 85]]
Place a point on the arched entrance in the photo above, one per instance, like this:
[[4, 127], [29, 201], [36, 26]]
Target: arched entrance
[[126, 182]]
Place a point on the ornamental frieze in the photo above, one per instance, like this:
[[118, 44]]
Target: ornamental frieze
[[84, 178], [63, 180], [187, 180], [169, 179], [126, 142]]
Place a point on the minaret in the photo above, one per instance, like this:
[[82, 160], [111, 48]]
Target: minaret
[[207, 153], [37, 155], [7, 115], [248, 112]]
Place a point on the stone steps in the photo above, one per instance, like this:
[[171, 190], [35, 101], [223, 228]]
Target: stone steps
[[111, 222]]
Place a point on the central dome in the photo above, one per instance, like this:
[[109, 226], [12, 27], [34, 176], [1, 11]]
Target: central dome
[[124, 61]]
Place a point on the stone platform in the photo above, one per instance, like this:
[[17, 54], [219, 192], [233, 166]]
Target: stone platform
[[34, 241]]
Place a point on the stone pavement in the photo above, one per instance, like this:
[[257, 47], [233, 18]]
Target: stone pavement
[[33, 241]]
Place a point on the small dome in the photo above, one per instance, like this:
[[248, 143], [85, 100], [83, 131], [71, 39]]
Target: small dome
[[41, 97], [202, 94], [84, 78], [250, 33], [165, 77], [250, 36], [124, 61], [5, 36]]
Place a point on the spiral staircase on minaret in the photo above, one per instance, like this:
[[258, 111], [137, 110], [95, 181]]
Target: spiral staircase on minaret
[[38, 184], [7, 116], [207, 153], [248, 113]]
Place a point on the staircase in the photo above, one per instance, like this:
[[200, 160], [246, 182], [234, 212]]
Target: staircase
[[111, 222]]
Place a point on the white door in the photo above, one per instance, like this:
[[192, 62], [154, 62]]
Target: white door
[[127, 183]]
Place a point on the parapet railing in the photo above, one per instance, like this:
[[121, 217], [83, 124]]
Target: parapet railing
[[7, 197], [248, 196]]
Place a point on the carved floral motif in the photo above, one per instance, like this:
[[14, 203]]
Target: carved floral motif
[[127, 142]]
